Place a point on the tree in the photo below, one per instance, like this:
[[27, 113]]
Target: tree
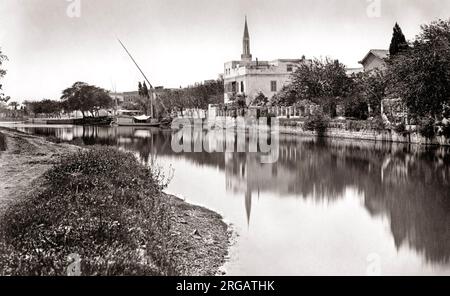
[[286, 97], [173, 100], [421, 75], [260, 101], [86, 98], [323, 82], [14, 105], [371, 89], [3, 58], [46, 107], [319, 79], [144, 103], [398, 42], [197, 96]]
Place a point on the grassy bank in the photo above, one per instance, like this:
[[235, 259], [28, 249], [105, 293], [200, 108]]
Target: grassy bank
[[102, 206]]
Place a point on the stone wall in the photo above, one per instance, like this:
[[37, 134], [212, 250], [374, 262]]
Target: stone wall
[[368, 134]]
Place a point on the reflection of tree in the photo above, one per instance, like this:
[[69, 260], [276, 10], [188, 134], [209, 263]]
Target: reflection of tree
[[407, 184]]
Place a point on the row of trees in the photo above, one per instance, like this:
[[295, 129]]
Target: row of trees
[[87, 99], [197, 96], [417, 72], [49, 108], [80, 96], [326, 83]]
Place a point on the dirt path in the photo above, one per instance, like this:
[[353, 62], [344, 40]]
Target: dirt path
[[26, 159]]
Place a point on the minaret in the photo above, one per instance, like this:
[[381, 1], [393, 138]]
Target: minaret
[[246, 55]]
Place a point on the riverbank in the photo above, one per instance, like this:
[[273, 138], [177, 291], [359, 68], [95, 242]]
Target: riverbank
[[343, 129], [388, 136], [186, 240]]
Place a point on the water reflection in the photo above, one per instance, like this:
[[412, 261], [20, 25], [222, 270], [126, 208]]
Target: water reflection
[[407, 185]]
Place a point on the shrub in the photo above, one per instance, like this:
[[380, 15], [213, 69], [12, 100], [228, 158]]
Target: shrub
[[356, 125], [377, 124], [426, 128], [318, 122], [446, 130], [101, 204], [401, 129], [3, 146]]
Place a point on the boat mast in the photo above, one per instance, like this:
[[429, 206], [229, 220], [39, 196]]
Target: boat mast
[[145, 77]]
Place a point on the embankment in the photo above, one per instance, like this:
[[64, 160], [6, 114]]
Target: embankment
[[98, 211], [370, 135]]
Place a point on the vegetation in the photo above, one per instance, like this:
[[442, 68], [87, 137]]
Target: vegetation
[[370, 89], [315, 81], [198, 96], [2, 142], [398, 42], [100, 204], [427, 128], [260, 101], [421, 74], [144, 103], [46, 107], [85, 98], [417, 72], [318, 122], [238, 101], [3, 58]]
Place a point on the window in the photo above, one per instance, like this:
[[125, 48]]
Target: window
[[273, 86], [233, 87], [289, 68], [242, 86]]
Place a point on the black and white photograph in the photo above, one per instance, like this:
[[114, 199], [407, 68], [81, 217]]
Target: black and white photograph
[[239, 138]]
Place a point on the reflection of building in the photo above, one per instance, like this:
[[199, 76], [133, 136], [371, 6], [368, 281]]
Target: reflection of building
[[375, 59], [408, 184], [248, 77]]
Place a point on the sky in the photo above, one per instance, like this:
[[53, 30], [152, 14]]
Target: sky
[[181, 42]]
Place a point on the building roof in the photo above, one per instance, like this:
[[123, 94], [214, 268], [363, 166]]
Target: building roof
[[379, 53]]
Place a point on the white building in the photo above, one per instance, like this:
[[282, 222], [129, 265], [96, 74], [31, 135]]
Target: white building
[[251, 77]]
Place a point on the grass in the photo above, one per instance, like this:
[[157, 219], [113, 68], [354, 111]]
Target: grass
[[3, 146], [100, 204]]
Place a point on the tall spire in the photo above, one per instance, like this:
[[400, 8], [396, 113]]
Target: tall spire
[[246, 55]]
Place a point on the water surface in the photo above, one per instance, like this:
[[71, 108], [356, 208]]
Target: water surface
[[335, 207]]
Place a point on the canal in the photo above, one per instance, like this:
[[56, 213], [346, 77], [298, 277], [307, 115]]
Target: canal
[[331, 207]]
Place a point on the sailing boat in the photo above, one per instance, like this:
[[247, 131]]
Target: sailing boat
[[133, 118]]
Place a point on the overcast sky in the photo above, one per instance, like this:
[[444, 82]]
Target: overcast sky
[[180, 42]]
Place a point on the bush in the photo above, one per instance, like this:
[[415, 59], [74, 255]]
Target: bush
[[100, 204], [446, 130], [3, 146], [401, 129], [377, 124], [426, 128], [356, 125], [318, 122]]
